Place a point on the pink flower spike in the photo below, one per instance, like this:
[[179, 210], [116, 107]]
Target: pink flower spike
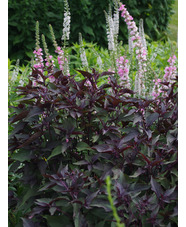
[[122, 7], [174, 57]]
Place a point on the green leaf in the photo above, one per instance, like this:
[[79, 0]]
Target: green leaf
[[101, 224], [58, 221], [95, 138], [58, 150], [81, 146], [76, 208], [137, 173], [22, 155], [88, 30], [44, 200], [149, 23], [52, 210], [30, 192]]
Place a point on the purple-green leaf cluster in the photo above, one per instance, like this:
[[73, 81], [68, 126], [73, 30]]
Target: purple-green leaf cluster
[[69, 135]]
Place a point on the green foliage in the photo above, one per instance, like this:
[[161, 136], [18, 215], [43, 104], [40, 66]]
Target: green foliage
[[22, 18], [173, 25], [86, 17]]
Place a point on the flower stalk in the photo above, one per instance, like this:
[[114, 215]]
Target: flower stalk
[[82, 52], [123, 71], [139, 49]]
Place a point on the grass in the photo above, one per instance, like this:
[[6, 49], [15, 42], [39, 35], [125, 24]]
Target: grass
[[173, 26]]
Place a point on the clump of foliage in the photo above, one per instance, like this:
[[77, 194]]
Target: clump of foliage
[[87, 18], [69, 135]]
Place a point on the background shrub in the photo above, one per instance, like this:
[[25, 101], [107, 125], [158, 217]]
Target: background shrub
[[87, 18]]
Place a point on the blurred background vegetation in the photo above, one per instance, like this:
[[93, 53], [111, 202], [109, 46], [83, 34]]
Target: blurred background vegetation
[[87, 18], [173, 25]]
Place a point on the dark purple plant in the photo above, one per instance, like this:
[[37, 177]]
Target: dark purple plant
[[68, 136]]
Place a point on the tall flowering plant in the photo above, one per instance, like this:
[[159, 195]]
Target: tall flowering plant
[[123, 71], [112, 25], [160, 86], [38, 51], [171, 70], [66, 23], [139, 49], [82, 52], [62, 56]]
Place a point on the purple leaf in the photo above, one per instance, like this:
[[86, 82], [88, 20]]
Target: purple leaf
[[127, 138], [151, 118], [90, 197], [36, 210], [20, 116], [156, 187], [169, 191], [35, 111], [106, 73], [103, 148]]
